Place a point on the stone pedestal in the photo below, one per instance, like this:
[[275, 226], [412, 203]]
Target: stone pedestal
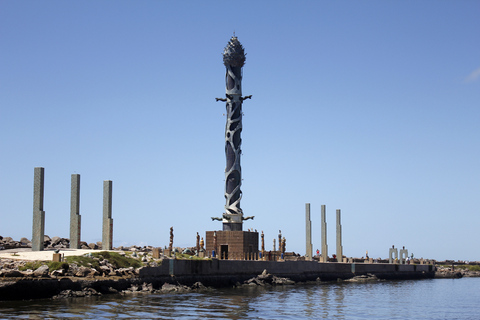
[[57, 257], [38, 227], [107, 230], [237, 245], [156, 253]]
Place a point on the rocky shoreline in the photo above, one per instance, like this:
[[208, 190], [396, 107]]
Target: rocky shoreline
[[458, 271], [76, 281], [122, 272]]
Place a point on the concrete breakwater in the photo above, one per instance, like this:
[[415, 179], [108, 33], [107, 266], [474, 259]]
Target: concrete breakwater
[[209, 270], [212, 273]]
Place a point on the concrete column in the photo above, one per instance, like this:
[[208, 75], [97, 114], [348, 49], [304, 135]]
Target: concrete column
[[324, 234], [107, 230], [38, 229], [308, 233], [75, 218], [339, 238]]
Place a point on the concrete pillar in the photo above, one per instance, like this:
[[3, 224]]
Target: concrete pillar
[[339, 238], [107, 230], [308, 233], [38, 229], [75, 218], [324, 234]]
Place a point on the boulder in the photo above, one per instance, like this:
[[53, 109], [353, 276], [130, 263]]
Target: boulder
[[92, 246], [25, 241], [42, 271], [82, 271], [167, 287], [267, 279], [198, 286], [56, 240], [59, 272], [363, 278]]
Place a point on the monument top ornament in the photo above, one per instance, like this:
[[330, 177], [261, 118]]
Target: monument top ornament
[[234, 54]]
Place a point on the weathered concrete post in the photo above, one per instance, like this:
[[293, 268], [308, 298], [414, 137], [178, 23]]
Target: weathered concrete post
[[339, 238], [107, 230], [308, 233], [75, 218], [324, 235], [38, 229]]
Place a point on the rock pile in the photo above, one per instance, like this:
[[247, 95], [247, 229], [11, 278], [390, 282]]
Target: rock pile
[[363, 278], [166, 288], [12, 268], [48, 243], [86, 292], [456, 272], [9, 243], [267, 279]]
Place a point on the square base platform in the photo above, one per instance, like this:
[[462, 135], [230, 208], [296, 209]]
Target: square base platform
[[236, 245]]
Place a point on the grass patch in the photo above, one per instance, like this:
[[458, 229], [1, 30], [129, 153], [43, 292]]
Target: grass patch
[[114, 258], [55, 265], [468, 267], [32, 265], [187, 256], [83, 261], [118, 260]]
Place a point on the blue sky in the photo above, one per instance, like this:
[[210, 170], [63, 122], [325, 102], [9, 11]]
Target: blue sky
[[369, 107]]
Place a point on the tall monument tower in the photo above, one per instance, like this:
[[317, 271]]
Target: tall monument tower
[[232, 240], [233, 59]]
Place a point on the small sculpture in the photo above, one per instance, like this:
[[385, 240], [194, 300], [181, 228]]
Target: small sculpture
[[170, 246], [198, 243], [263, 243]]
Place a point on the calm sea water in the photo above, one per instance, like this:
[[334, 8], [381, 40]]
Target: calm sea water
[[420, 299]]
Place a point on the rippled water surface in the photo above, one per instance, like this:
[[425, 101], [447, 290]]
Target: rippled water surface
[[420, 299]]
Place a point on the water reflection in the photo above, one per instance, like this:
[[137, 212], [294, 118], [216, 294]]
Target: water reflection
[[426, 299]]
